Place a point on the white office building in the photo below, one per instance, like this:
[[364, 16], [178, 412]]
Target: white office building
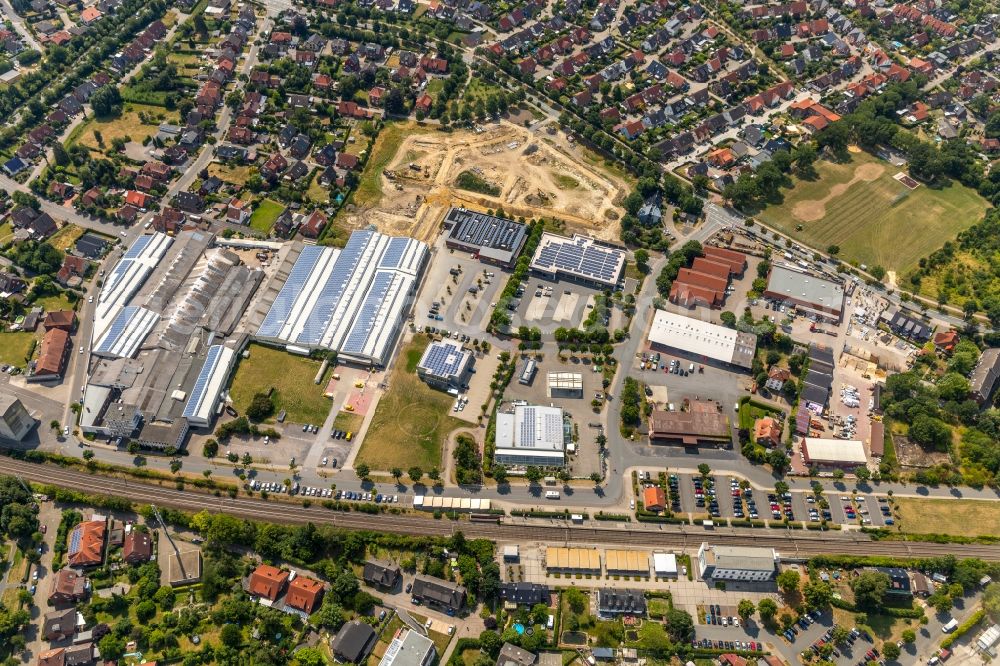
[[736, 563], [531, 435]]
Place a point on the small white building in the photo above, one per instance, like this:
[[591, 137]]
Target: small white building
[[532, 435], [988, 640], [565, 385], [665, 565]]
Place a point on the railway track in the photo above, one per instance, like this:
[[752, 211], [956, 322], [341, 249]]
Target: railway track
[[789, 544]]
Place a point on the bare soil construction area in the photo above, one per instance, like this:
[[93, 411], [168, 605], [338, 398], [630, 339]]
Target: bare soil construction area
[[537, 174]]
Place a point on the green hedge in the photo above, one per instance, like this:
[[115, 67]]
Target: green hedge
[[888, 611], [461, 646], [621, 517], [644, 517]]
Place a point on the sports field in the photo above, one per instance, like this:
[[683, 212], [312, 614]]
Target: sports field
[[875, 219], [411, 421], [292, 378]]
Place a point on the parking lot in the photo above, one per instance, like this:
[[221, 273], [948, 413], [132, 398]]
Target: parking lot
[[450, 278], [551, 304], [706, 381], [586, 460]]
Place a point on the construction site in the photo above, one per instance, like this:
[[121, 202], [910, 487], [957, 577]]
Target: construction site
[[536, 174]]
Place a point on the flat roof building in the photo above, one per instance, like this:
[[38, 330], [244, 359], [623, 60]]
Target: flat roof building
[[579, 258], [201, 405], [15, 421], [626, 562], [492, 239], [806, 291], [665, 565], [352, 300], [708, 341], [445, 365], [408, 648], [736, 563], [703, 423], [565, 385], [833, 452], [532, 435]]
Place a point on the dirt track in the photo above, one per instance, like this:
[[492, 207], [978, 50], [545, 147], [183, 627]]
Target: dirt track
[[538, 175]]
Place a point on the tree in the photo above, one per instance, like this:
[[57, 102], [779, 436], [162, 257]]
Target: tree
[[396, 473], [788, 581], [534, 474], [210, 449], [54, 425], [869, 589], [416, 474], [500, 474], [576, 600], [679, 625], [863, 473], [817, 593], [595, 477], [840, 634], [230, 635], [362, 470], [909, 636], [59, 154], [642, 260], [767, 609], [704, 469], [728, 319], [890, 650], [106, 101], [745, 609], [261, 407], [833, 250]]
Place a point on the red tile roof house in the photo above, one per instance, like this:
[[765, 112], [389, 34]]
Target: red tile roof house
[[267, 582], [945, 341], [86, 544], [313, 226], [304, 594], [423, 103], [138, 547], [238, 212], [67, 587], [137, 199]]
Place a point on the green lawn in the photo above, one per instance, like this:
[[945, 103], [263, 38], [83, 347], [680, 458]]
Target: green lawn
[[292, 378], [128, 125], [6, 233], [874, 219], [959, 517], [348, 422], [14, 347], [264, 215], [56, 302], [64, 239], [411, 421], [384, 149]]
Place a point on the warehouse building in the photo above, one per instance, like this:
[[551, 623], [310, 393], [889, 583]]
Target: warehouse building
[[445, 365], [127, 277], [808, 293], [580, 258], [531, 435], [492, 239], [212, 379], [722, 269], [353, 300], [565, 385], [841, 453], [702, 340], [126, 332], [736, 563], [572, 560], [703, 423]]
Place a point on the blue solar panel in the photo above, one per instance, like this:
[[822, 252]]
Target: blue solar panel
[[117, 329], [117, 274], [138, 246], [442, 359], [201, 384], [285, 300], [74, 541], [331, 292], [365, 321], [394, 253]]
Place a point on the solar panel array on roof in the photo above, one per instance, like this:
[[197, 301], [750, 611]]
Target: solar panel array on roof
[[494, 237], [442, 359], [579, 257], [75, 537], [123, 337], [138, 246], [205, 393], [351, 300]]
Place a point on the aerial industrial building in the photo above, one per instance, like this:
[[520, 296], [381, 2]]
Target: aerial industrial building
[[531, 435], [580, 258], [814, 295], [445, 365], [565, 385], [166, 338], [843, 453], [702, 339], [492, 239], [702, 422], [736, 564], [353, 300], [15, 421]]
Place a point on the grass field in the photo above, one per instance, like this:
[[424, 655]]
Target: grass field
[[128, 124], [53, 303], [6, 233], [874, 219], [264, 215], [411, 421], [948, 516], [237, 175], [14, 347], [292, 378], [63, 239], [348, 422], [386, 145]]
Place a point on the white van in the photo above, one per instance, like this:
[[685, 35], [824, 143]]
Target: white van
[[691, 367], [552, 494], [951, 626]]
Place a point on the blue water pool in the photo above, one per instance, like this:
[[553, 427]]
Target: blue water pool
[[519, 628]]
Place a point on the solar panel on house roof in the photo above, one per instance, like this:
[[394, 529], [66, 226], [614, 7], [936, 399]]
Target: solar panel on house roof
[[74, 541], [442, 359]]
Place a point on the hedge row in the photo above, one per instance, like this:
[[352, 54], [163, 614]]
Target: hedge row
[[963, 628]]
